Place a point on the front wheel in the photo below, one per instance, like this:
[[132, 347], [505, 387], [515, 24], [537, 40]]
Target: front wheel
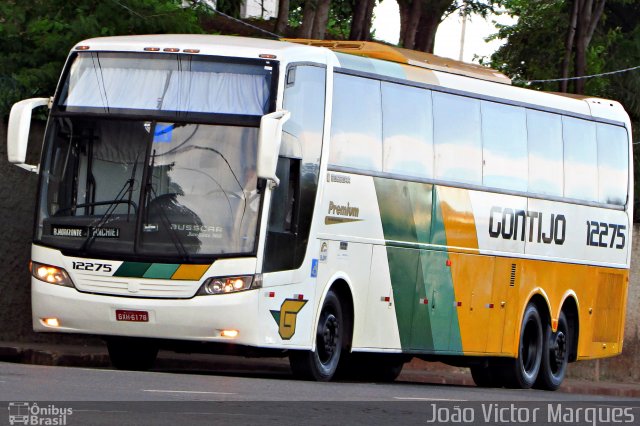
[[522, 372], [132, 354], [321, 364], [555, 355]]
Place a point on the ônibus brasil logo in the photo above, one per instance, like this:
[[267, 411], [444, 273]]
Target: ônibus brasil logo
[[27, 413]]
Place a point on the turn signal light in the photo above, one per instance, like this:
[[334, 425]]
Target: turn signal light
[[229, 333]]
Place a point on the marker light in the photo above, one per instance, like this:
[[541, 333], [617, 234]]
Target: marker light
[[82, 47], [50, 274], [191, 50], [230, 284], [170, 49], [50, 322], [151, 49], [267, 56], [229, 333]]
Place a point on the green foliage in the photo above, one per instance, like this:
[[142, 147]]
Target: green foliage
[[36, 35], [340, 16], [535, 44]]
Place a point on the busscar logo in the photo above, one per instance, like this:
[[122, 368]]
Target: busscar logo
[[26, 413], [286, 317]]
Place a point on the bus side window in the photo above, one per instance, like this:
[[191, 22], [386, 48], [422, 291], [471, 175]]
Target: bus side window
[[458, 138], [407, 124], [504, 146], [546, 168], [580, 159], [613, 164], [356, 127]]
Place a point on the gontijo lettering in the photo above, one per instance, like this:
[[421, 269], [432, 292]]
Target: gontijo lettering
[[513, 224]]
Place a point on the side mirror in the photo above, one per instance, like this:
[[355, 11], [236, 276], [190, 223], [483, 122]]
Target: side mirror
[[18, 134], [269, 140]]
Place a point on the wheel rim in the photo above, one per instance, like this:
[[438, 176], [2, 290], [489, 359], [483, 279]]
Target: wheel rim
[[557, 352], [530, 347], [328, 340]]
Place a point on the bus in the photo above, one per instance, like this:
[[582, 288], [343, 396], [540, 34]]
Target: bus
[[349, 205]]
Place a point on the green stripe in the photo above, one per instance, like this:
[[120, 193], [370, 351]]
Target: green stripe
[[161, 271], [132, 269], [412, 218], [446, 329]]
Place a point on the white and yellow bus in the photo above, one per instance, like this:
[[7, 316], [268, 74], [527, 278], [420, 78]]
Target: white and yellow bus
[[349, 204]]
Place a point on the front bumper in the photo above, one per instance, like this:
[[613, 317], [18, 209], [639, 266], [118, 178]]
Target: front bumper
[[201, 318]]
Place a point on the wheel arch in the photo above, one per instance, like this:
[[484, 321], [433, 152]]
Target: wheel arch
[[340, 285], [541, 301], [570, 307]]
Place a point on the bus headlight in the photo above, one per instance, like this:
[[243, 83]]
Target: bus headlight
[[226, 285], [50, 274]]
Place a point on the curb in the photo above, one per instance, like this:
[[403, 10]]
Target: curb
[[95, 357]]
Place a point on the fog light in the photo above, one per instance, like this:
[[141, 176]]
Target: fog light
[[50, 322], [229, 333]]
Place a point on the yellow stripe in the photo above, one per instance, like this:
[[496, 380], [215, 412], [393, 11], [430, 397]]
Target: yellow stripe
[[457, 214], [190, 272]]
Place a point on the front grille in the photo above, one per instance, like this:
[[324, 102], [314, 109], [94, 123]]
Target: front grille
[[136, 287]]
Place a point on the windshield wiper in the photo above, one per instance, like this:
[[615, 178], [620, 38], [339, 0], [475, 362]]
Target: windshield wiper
[[175, 238], [92, 232]]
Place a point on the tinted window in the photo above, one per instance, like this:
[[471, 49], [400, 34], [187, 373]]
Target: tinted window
[[580, 159], [356, 130], [545, 153], [613, 164], [504, 146], [408, 130], [457, 137]]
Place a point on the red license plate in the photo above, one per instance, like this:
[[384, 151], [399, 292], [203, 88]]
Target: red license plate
[[134, 316]]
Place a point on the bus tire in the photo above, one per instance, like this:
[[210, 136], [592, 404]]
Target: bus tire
[[321, 364], [555, 355], [132, 354], [522, 372], [486, 376]]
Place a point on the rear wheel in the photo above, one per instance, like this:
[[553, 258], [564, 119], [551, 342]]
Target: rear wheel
[[522, 371], [321, 364], [132, 354], [555, 355]]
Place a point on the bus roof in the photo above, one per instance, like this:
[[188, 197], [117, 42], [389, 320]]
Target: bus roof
[[405, 56]]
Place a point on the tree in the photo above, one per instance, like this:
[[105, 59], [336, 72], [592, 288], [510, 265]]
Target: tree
[[315, 17], [585, 15], [419, 19], [361, 22], [283, 17], [35, 36]]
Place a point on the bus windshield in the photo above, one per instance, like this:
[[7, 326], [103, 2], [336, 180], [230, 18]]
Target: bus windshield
[[148, 187], [171, 84]]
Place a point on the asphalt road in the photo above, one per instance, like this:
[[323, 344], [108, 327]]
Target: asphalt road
[[263, 396]]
